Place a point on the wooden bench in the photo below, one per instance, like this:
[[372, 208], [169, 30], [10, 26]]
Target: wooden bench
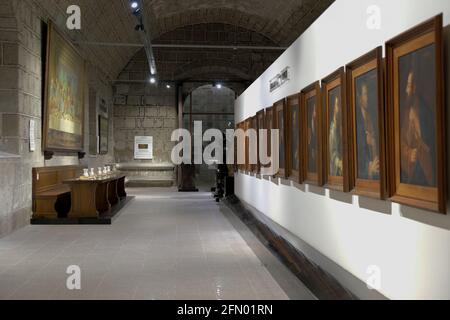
[[51, 198]]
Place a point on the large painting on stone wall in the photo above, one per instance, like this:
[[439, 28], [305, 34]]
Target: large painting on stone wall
[[64, 95]]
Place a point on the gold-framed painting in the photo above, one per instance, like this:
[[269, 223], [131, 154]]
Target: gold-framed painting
[[312, 124], [335, 138], [294, 138], [261, 119], [253, 146], [103, 130], [64, 95], [367, 139], [416, 117], [279, 123]]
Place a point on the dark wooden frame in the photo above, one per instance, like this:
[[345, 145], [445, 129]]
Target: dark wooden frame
[[371, 61], [247, 167], [100, 151], [254, 126], [51, 30], [314, 178], [428, 198], [280, 106], [269, 119], [239, 148], [260, 119], [291, 102], [329, 83]]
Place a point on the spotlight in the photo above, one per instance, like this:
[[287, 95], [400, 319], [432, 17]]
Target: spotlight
[[168, 86], [152, 80], [134, 4], [218, 85]]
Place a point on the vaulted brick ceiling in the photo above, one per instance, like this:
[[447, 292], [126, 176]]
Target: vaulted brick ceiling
[[266, 22]]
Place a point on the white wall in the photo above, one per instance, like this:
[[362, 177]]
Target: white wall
[[412, 247]]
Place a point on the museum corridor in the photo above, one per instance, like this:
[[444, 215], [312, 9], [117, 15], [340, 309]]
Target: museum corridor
[[224, 150], [164, 245]]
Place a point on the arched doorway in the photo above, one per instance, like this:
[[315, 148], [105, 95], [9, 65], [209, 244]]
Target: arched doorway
[[213, 106]]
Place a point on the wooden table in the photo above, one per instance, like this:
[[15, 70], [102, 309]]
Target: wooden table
[[90, 198]]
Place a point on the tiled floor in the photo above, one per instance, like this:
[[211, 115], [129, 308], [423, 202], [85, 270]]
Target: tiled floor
[[164, 245]]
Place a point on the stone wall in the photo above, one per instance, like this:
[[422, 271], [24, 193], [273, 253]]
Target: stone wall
[[20, 101], [144, 110]]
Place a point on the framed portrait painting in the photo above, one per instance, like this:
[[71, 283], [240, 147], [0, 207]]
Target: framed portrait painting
[[335, 120], [294, 138], [64, 95], [261, 119], [280, 123], [253, 146], [417, 145], [269, 127], [367, 143], [240, 148], [247, 167], [103, 131], [312, 124]]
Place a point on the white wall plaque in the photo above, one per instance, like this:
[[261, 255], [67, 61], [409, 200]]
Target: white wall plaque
[[32, 135], [143, 148]]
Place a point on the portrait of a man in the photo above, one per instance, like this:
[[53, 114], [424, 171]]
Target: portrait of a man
[[312, 134], [280, 118], [294, 138], [367, 138], [417, 116], [335, 133]]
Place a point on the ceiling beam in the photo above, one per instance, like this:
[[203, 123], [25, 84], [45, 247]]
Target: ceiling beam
[[180, 46]]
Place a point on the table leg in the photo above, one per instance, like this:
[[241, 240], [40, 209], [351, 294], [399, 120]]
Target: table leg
[[102, 198], [121, 188], [112, 193], [84, 201]]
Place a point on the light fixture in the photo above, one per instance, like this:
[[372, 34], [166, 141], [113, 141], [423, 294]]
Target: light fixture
[[218, 85], [134, 4], [168, 86], [152, 80]]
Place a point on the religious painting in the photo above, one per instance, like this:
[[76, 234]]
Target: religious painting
[[261, 119], [366, 125], [336, 164], [280, 124], [311, 106], [64, 95], [240, 149], [269, 127], [247, 167], [253, 146], [294, 134], [417, 145], [103, 134]]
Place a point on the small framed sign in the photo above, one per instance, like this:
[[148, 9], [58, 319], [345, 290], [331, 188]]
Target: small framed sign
[[32, 135], [143, 148]]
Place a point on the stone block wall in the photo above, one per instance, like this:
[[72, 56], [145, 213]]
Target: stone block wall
[[144, 110], [21, 101]]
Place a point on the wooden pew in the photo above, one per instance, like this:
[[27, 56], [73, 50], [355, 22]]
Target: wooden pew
[[51, 198]]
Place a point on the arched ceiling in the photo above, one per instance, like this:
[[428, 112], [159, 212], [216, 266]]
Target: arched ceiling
[[275, 23]]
